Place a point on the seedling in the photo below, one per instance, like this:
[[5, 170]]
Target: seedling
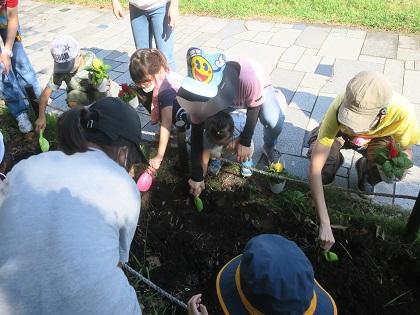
[[198, 204], [330, 256]]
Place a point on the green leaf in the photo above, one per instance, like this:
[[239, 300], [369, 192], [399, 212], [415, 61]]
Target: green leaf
[[387, 168], [399, 162], [381, 156], [398, 172]]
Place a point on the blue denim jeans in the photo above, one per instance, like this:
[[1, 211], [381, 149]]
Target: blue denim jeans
[[147, 25], [22, 73], [272, 115]]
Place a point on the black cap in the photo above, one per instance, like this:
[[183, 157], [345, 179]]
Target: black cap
[[115, 119]]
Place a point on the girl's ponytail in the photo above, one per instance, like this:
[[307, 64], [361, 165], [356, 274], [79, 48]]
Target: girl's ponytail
[[70, 133]]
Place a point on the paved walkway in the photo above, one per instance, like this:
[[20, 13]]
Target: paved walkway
[[311, 64]]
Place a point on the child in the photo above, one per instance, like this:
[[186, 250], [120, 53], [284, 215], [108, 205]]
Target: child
[[222, 132], [70, 64], [149, 70]]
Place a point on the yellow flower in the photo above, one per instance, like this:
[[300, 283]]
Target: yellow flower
[[277, 167], [96, 64]]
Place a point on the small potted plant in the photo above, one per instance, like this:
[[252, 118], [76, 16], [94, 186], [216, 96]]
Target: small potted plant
[[277, 184], [99, 74], [128, 95], [392, 162]]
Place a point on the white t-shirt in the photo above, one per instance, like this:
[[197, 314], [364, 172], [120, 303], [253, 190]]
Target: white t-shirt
[[65, 223], [147, 5]]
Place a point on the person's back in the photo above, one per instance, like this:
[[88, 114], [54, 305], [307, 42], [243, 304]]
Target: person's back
[[61, 235]]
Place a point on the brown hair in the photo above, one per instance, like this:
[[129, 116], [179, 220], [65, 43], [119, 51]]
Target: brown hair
[[145, 62]]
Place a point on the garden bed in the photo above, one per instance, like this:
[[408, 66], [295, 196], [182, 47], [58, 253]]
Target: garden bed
[[182, 250]]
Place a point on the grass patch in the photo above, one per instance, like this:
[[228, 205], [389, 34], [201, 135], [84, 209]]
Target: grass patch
[[394, 15]]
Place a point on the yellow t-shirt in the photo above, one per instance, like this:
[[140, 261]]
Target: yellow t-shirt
[[399, 122]]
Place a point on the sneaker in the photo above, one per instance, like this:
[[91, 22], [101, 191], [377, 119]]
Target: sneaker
[[271, 154], [214, 166], [362, 182], [24, 123], [245, 170]]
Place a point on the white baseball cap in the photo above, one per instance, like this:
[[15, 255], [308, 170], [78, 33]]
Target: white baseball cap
[[64, 50]]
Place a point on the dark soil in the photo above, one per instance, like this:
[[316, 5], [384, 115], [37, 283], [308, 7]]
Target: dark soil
[[184, 249]]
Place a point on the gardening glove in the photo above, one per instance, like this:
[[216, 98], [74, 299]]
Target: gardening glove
[[155, 162], [195, 307], [243, 153], [117, 9], [326, 236], [196, 187], [40, 123]]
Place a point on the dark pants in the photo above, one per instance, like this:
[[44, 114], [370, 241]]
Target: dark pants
[[336, 159]]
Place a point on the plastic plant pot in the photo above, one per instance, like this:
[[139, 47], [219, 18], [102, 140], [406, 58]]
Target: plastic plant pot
[[277, 187], [103, 87]]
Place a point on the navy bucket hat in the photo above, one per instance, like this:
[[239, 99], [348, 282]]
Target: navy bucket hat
[[272, 276]]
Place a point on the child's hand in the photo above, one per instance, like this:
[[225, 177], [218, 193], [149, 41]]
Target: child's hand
[[243, 153], [196, 187], [40, 123], [155, 162], [117, 8], [194, 306]]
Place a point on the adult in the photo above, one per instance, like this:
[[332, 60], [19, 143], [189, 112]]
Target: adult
[[70, 66], [272, 276], [242, 84], [67, 218], [15, 67], [365, 117], [152, 19]]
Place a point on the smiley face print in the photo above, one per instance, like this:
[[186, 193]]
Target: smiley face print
[[201, 69]]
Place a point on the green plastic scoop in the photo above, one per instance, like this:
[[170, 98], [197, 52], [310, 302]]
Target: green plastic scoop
[[43, 143], [198, 204], [331, 256]]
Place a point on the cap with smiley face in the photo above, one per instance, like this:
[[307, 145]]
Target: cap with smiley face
[[205, 67]]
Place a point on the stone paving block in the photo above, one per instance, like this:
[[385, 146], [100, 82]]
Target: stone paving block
[[321, 105], [394, 71], [417, 65], [385, 188], [287, 80], [411, 88], [38, 45], [123, 58], [313, 37], [409, 65], [233, 27], [56, 94], [124, 78], [104, 18], [348, 155], [114, 64], [326, 60], [380, 60], [324, 70], [212, 42], [258, 26], [311, 51], [408, 54], [123, 67], [267, 55], [356, 33], [308, 63], [341, 47], [314, 81], [58, 105], [409, 186], [296, 165], [285, 65], [304, 99], [248, 35], [408, 42], [299, 26], [285, 38], [262, 37], [228, 43], [338, 30], [293, 133], [341, 181], [380, 44], [114, 75], [292, 54], [344, 70]]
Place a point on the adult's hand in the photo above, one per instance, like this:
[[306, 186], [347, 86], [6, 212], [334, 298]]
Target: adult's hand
[[243, 153], [40, 123], [326, 236], [173, 14], [196, 187], [155, 162], [195, 307], [6, 61], [117, 9]]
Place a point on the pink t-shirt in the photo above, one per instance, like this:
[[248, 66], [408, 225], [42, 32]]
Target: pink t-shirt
[[252, 81], [169, 88]]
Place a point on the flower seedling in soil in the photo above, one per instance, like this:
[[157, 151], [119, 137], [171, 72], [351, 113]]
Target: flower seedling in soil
[[126, 93], [99, 71], [392, 160], [330, 256], [276, 184], [198, 204]]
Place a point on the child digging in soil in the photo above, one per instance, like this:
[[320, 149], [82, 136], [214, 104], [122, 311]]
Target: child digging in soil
[[222, 132], [272, 276], [70, 66], [149, 71]]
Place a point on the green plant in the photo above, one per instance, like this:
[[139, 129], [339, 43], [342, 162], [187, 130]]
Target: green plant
[[393, 160], [99, 71], [276, 168], [126, 93]]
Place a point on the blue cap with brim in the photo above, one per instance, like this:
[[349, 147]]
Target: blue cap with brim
[[273, 276]]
